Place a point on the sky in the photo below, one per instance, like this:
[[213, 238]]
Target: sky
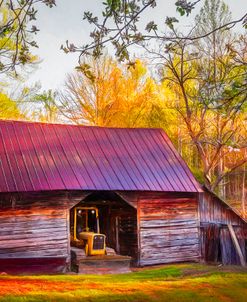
[[65, 22]]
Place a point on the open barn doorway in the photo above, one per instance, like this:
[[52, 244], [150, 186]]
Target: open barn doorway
[[103, 225]]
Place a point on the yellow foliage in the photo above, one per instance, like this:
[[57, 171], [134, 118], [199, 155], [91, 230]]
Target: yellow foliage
[[115, 96], [8, 108]]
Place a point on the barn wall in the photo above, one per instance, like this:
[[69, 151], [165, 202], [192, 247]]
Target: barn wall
[[168, 228], [34, 233], [216, 243], [213, 210]]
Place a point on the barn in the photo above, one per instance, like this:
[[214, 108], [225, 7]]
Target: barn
[[150, 207]]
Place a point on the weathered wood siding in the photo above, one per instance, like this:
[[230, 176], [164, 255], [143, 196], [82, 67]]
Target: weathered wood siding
[[34, 232], [216, 243], [213, 210], [168, 228]]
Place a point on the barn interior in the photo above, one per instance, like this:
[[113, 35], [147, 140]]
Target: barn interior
[[117, 220]]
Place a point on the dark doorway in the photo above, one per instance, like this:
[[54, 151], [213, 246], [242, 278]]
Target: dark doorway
[[117, 220]]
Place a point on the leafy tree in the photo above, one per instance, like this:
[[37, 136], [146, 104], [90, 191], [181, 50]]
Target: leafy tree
[[39, 106], [9, 108], [109, 94], [211, 96], [16, 32]]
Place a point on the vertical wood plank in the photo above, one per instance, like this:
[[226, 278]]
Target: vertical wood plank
[[138, 234], [68, 260]]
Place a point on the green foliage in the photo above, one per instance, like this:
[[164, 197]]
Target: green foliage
[[37, 105], [206, 81], [170, 22], [185, 7], [86, 70]]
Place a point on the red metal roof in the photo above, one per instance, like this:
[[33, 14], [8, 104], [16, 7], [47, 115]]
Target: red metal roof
[[38, 156]]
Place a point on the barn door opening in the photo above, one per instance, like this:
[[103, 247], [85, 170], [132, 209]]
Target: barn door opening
[[117, 220], [122, 235]]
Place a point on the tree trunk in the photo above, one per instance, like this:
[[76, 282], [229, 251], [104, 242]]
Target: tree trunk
[[243, 192]]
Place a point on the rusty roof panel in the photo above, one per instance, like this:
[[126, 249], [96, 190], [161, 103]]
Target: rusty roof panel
[[41, 157]]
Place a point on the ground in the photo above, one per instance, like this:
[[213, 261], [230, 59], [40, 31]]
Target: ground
[[183, 282]]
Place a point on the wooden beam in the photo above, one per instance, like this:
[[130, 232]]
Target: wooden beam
[[68, 260], [138, 235], [125, 198], [236, 244]]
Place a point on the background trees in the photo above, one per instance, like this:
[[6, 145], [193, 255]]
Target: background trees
[[9, 108], [110, 94], [210, 96], [38, 105]]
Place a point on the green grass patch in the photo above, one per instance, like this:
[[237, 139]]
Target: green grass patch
[[182, 283]]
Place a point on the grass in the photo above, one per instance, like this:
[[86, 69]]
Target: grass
[[183, 282]]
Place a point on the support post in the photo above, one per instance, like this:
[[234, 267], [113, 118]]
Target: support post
[[236, 244]]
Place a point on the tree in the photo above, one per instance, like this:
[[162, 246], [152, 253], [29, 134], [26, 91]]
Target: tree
[[16, 34], [39, 106], [119, 27], [9, 108], [109, 94], [211, 96]]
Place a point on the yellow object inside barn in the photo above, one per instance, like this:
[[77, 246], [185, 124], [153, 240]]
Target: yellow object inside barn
[[86, 235]]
